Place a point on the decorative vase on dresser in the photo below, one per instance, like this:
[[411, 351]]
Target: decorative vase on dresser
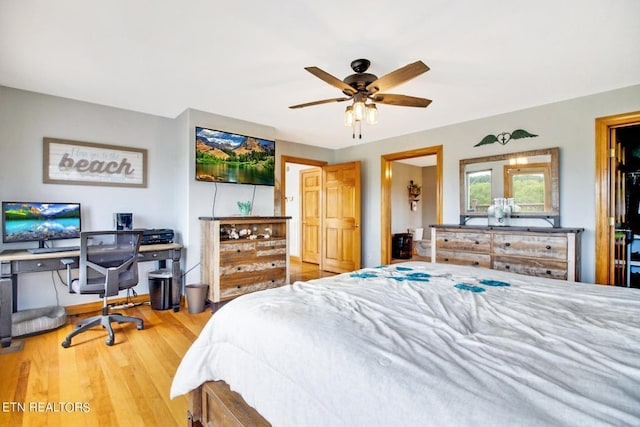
[[243, 254], [552, 252]]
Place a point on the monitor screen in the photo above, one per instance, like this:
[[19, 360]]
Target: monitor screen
[[232, 158], [35, 221]]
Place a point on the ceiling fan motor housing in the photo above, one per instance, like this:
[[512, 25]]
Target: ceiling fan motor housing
[[360, 81]]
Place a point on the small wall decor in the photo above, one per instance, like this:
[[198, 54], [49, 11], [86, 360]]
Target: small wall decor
[[505, 137], [84, 163], [414, 194]]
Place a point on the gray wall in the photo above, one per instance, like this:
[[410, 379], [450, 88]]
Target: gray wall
[[173, 198], [569, 125], [26, 117]]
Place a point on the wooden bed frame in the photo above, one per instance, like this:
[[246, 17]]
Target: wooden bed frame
[[214, 404]]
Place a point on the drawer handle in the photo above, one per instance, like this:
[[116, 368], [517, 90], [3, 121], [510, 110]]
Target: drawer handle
[[476, 242], [507, 244], [273, 264], [476, 263], [238, 250], [446, 240], [238, 287], [506, 267], [446, 259], [239, 268], [39, 264], [548, 271], [154, 255], [548, 247]]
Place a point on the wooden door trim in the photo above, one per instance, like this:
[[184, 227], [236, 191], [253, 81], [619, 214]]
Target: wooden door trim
[[282, 193], [603, 195], [283, 174], [385, 196]]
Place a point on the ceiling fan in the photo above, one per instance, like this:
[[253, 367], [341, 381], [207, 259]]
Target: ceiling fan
[[365, 90]]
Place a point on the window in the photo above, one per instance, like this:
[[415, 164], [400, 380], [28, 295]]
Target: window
[[529, 185], [478, 190]]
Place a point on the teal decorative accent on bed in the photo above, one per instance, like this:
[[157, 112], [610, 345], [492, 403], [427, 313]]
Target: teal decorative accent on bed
[[363, 275], [491, 282], [401, 268], [470, 288], [418, 275]]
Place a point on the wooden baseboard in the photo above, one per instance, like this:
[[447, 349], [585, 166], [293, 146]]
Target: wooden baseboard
[[91, 307], [295, 258]]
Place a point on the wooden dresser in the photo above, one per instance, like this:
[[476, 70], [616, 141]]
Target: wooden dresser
[[535, 251], [257, 259]]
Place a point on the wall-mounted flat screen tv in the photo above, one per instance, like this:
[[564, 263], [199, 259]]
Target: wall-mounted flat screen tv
[[39, 222], [229, 157]]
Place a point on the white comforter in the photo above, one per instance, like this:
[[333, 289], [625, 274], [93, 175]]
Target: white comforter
[[420, 344]]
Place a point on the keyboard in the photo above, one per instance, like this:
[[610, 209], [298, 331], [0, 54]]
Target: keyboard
[[53, 250]]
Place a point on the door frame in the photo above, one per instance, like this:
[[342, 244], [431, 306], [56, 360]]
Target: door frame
[[385, 196], [604, 250], [283, 185]]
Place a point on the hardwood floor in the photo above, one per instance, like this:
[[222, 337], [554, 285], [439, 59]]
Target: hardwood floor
[[305, 271], [92, 384]]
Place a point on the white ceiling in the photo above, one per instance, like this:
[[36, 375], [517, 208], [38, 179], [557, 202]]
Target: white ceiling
[[246, 59]]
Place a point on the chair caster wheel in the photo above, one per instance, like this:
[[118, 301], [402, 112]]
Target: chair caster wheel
[[140, 326], [109, 341], [66, 343]]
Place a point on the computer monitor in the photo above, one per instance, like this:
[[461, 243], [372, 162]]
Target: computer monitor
[[39, 222]]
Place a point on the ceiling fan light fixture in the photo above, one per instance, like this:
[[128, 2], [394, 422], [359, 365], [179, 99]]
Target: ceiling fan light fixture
[[358, 111], [372, 114], [348, 116]]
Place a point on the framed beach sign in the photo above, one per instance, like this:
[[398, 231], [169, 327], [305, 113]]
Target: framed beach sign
[[85, 163]]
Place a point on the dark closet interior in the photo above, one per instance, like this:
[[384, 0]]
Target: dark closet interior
[[628, 207]]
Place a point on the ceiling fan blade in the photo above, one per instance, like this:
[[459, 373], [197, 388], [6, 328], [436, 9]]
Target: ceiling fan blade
[[398, 76], [401, 100], [333, 81], [324, 101]]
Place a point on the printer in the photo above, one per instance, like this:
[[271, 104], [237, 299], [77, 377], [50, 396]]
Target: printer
[[154, 236]]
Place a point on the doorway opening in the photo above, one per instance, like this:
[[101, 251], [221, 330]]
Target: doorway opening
[[391, 185], [293, 168], [618, 200]]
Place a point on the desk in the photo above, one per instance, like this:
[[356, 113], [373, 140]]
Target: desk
[[13, 263]]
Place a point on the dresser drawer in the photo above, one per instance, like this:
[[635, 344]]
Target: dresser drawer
[[271, 247], [551, 247], [246, 266], [553, 269], [237, 251], [239, 284], [463, 258], [463, 241]]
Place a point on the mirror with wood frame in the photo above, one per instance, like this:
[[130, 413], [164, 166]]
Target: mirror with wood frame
[[529, 177]]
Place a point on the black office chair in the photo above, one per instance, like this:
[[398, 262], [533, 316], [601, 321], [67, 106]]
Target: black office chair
[[108, 264]]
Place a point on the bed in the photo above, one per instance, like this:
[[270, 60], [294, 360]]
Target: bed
[[419, 344]]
